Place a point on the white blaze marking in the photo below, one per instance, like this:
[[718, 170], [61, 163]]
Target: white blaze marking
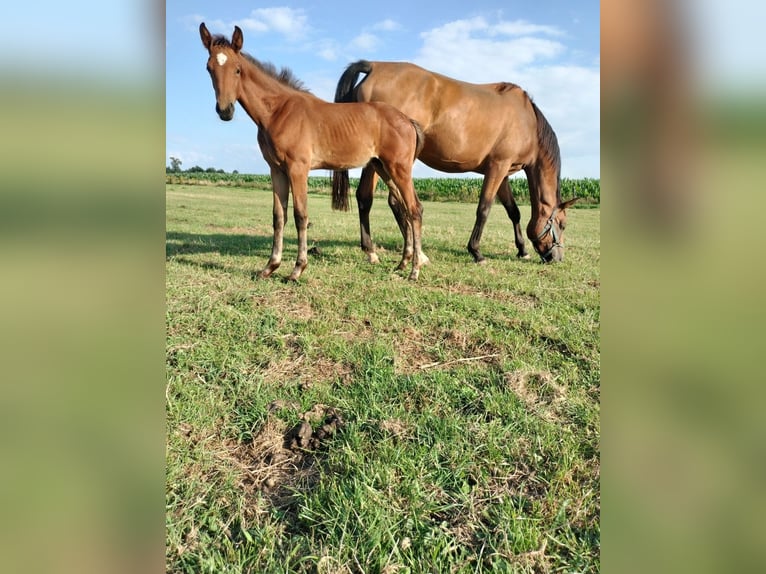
[[221, 57]]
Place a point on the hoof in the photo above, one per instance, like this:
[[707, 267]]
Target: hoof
[[523, 256], [373, 258], [295, 275]]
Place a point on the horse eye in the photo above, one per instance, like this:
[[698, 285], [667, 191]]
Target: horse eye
[[238, 71]]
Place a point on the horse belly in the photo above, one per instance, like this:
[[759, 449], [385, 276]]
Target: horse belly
[[349, 155], [442, 154]]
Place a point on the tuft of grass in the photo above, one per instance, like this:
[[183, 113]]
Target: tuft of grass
[[359, 422]]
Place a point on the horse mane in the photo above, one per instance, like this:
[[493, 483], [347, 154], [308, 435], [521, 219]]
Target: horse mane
[[284, 76], [503, 87], [549, 144], [546, 137]]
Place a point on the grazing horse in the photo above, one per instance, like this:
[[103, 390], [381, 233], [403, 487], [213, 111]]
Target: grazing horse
[[492, 129], [298, 132]]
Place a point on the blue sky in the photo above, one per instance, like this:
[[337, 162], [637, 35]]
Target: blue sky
[[549, 47]]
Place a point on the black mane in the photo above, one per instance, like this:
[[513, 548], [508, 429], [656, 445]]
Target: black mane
[[284, 76]]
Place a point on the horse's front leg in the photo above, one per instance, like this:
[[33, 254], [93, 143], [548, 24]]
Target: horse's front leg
[[493, 179], [281, 190], [299, 183], [364, 197], [505, 195]]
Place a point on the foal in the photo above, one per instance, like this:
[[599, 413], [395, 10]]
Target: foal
[[298, 132]]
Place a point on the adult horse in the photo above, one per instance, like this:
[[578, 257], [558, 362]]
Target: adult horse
[[298, 132], [492, 129]]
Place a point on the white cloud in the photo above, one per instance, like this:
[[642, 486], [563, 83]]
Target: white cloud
[[365, 42], [329, 53], [524, 28], [290, 23], [474, 50], [387, 25]]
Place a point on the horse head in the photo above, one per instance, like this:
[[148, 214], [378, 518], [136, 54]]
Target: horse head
[[547, 233], [225, 69]]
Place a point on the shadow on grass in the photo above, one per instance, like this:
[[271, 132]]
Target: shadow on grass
[[177, 243], [182, 247]]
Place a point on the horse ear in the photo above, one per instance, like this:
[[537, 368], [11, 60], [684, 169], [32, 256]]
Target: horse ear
[[204, 35], [568, 202], [236, 39]]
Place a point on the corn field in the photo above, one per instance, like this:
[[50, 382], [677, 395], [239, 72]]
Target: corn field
[[428, 188]]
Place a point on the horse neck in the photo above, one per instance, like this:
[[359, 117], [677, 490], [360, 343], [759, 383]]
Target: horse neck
[[261, 95], [544, 189]]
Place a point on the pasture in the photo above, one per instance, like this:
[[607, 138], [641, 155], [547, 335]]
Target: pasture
[[359, 422]]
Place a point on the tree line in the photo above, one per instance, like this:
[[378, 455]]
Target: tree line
[[175, 167]]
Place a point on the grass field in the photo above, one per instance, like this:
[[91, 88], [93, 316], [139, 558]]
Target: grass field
[[360, 422]]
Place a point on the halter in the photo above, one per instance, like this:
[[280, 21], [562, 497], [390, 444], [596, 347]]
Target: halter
[[551, 226]]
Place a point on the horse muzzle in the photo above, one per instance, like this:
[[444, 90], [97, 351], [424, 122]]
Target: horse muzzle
[[552, 255], [226, 113]]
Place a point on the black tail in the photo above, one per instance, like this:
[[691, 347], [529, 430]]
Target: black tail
[[340, 185], [345, 90], [345, 93]]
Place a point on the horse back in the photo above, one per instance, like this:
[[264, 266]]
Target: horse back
[[429, 97]]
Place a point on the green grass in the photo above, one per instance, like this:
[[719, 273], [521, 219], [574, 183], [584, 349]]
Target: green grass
[[467, 429]]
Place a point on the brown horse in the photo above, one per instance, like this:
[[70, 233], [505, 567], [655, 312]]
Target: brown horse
[[298, 132], [492, 129]]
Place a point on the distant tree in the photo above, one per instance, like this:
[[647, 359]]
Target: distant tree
[[210, 170], [235, 172], [175, 164], [220, 171], [195, 169]]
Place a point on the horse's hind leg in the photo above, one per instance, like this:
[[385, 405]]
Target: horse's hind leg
[[281, 190], [397, 208], [505, 195], [401, 180], [493, 178], [364, 197]]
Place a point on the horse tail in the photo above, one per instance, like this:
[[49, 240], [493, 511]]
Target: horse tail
[[340, 185], [548, 146], [345, 93]]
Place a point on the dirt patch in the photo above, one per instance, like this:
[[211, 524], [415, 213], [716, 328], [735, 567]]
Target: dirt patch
[[397, 429], [442, 349], [306, 372], [539, 392], [281, 458]]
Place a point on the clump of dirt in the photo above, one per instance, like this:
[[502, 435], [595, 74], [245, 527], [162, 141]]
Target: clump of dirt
[[281, 459], [304, 436]]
